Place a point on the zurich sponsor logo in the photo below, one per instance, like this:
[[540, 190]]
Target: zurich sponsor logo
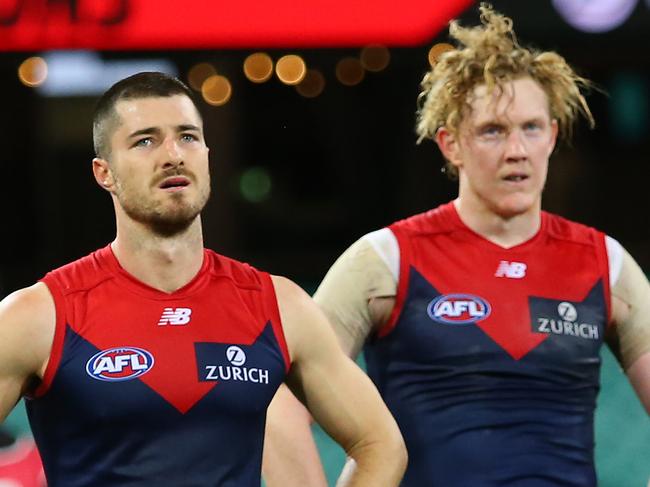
[[119, 364], [567, 324], [567, 311], [235, 355], [458, 309]]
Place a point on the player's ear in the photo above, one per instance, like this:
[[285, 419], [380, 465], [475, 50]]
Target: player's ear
[[448, 144], [102, 173]]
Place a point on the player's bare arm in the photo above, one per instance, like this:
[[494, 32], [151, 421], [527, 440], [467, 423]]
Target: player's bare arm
[[291, 458], [357, 294], [27, 319], [631, 319], [338, 394]]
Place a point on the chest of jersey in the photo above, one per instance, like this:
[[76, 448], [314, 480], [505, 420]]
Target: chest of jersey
[[178, 349], [463, 299], [483, 325]]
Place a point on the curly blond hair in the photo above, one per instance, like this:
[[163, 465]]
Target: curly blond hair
[[489, 54]]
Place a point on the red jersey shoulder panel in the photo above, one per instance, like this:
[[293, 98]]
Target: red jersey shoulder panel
[[241, 274], [80, 275], [77, 276], [437, 220], [563, 229]]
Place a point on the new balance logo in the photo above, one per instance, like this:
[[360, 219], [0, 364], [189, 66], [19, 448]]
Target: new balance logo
[[175, 316], [512, 270]]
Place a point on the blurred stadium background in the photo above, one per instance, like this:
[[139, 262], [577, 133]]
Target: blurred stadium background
[[312, 143]]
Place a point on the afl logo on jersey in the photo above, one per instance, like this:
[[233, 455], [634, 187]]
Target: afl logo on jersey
[[119, 364], [458, 309]]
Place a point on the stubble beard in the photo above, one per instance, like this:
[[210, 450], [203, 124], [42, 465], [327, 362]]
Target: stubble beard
[[164, 218]]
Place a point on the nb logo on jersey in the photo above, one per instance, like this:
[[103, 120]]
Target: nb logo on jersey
[[512, 270], [175, 316]]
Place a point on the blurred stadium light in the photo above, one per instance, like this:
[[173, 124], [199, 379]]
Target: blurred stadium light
[[85, 73], [595, 15]]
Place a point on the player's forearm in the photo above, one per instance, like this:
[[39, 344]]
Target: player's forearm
[[375, 463], [639, 375], [293, 464], [291, 458]]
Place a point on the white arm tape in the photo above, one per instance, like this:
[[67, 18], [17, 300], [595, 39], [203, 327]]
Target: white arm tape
[[385, 244], [615, 258]]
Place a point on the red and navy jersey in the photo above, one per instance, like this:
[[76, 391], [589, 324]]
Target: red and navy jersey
[[490, 361], [150, 388]]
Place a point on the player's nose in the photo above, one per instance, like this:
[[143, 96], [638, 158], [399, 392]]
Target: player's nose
[[173, 155], [515, 147]]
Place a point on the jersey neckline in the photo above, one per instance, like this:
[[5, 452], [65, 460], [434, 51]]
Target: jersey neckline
[[135, 285], [487, 244]]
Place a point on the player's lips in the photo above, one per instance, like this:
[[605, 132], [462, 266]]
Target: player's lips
[[175, 183], [515, 177]]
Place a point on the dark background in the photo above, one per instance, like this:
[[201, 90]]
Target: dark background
[[340, 165]]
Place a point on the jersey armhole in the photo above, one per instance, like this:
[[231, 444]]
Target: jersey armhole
[[271, 304], [610, 255], [59, 334], [402, 282]]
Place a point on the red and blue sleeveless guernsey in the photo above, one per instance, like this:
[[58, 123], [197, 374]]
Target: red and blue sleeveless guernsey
[[148, 388], [490, 361]]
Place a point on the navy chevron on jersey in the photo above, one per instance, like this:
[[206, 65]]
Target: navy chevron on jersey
[[490, 360], [150, 388]]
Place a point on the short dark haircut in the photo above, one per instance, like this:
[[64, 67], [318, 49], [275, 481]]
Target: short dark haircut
[[141, 85]]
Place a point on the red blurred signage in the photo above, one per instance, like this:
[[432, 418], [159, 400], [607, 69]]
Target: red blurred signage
[[194, 24]]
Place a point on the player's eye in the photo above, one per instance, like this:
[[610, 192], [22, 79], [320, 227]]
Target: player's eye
[[532, 126], [144, 142], [189, 138], [491, 130]]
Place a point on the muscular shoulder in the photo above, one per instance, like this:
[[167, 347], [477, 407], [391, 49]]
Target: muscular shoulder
[[379, 250], [370, 265], [27, 306], [291, 297], [630, 305], [301, 318], [293, 302], [368, 269], [27, 322]]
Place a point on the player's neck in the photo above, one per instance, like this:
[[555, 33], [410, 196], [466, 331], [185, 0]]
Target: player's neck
[[505, 231], [166, 263]]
